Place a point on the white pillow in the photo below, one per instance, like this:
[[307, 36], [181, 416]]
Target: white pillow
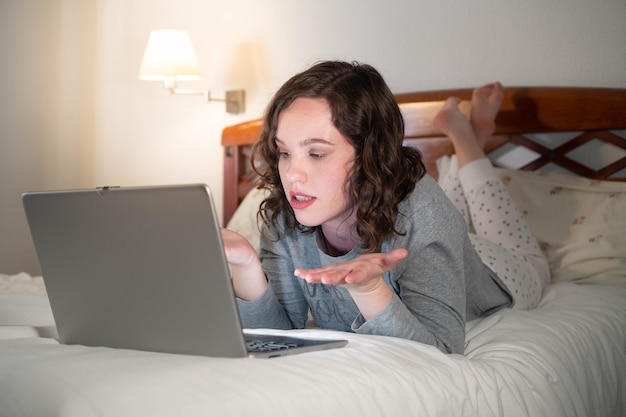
[[579, 223]]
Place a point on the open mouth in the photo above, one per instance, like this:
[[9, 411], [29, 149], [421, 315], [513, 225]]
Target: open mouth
[[300, 201]]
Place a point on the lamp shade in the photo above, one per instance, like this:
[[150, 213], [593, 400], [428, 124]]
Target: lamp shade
[[169, 55]]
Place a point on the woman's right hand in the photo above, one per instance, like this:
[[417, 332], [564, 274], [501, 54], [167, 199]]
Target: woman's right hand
[[249, 281], [239, 252]]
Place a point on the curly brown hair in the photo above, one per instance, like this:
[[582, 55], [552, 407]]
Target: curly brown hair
[[364, 110]]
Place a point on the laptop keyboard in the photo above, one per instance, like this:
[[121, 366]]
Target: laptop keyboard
[[267, 345]]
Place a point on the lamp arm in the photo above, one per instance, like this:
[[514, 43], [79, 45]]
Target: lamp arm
[[235, 99], [190, 92]]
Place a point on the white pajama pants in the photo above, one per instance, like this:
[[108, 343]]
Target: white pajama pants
[[498, 230]]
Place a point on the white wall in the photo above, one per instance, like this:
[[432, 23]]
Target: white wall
[[108, 128], [46, 135]]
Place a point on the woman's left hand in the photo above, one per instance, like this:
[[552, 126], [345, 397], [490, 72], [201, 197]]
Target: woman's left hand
[[362, 277], [360, 274]]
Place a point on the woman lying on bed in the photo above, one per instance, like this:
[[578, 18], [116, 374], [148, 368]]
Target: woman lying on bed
[[357, 233]]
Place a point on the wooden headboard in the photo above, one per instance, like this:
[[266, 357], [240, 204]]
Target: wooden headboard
[[586, 114]]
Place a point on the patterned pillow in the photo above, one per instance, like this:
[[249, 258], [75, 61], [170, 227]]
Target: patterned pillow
[[580, 223]]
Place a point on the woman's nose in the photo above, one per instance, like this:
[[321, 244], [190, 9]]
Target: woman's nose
[[296, 171]]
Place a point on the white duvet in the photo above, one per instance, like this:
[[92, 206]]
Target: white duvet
[[566, 358]]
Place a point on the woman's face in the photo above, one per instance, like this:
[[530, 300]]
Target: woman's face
[[314, 164]]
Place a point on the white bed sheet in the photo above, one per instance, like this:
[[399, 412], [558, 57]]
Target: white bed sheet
[[566, 358], [24, 308]]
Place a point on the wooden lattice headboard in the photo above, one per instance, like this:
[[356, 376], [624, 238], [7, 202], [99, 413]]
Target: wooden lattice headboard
[[591, 120]]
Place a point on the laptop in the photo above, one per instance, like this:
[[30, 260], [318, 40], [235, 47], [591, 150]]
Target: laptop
[[143, 268]]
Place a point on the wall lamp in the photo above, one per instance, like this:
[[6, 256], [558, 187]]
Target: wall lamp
[[169, 57]]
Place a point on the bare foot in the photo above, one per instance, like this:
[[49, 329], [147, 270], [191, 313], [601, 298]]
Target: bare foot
[[451, 121], [449, 116], [486, 102]]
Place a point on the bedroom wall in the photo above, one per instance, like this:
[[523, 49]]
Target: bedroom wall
[[101, 126], [46, 129]]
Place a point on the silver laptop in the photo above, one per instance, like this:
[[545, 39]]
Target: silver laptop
[[143, 268]]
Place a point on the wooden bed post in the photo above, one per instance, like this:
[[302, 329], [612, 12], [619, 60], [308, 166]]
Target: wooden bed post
[[237, 141], [231, 182]]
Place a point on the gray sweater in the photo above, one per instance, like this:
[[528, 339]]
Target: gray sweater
[[438, 287]]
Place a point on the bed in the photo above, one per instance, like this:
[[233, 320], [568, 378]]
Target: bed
[[567, 357]]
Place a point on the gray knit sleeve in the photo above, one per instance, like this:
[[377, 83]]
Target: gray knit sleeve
[[283, 305], [264, 312]]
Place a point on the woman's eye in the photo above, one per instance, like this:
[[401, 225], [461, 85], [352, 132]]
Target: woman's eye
[[316, 155], [282, 154]]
